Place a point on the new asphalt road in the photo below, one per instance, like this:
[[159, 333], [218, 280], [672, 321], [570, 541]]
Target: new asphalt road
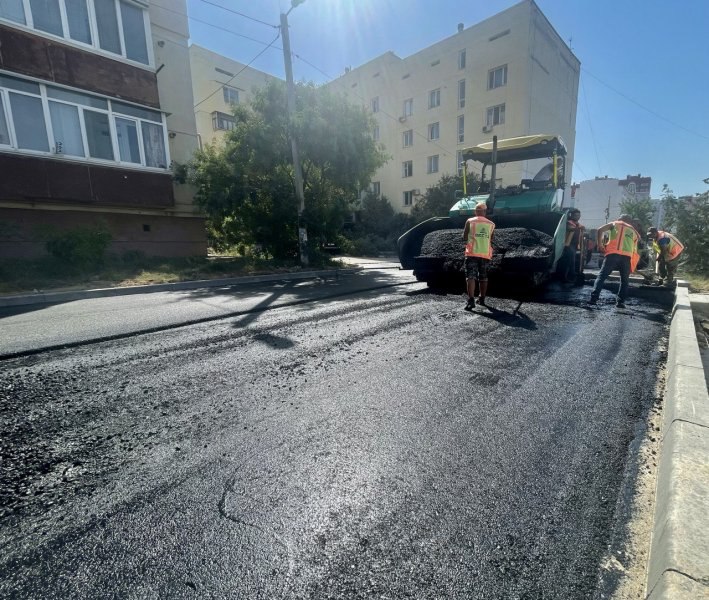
[[359, 444]]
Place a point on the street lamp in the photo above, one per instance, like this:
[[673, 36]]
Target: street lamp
[[297, 167]]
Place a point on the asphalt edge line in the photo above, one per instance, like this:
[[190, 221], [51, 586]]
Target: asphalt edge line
[[69, 296], [681, 521], [229, 315]]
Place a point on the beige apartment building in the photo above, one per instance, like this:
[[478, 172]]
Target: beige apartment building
[[95, 104], [218, 83], [509, 75]]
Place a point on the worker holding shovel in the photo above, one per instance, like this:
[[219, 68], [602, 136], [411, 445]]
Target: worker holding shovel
[[668, 250], [477, 236]]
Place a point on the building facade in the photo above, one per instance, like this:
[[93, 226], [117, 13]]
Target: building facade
[[509, 75], [599, 199], [219, 83], [95, 104]]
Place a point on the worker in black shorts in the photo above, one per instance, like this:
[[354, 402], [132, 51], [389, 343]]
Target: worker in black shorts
[[477, 236]]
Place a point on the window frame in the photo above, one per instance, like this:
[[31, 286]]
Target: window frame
[[374, 104], [461, 59], [94, 46], [226, 117], [110, 111], [434, 98], [227, 91], [461, 129], [500, 108], [410, 195], [491, 77], [430, 160], [408, 107], [461, 93], [434, 127], [407, 135], [376, 188], [407, 169]]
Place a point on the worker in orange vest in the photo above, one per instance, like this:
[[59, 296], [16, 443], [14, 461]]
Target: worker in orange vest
[[477, 236], [668, 249], [621, 254], [572, 243]]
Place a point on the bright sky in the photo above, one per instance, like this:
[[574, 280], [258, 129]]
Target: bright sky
[[643, 103]]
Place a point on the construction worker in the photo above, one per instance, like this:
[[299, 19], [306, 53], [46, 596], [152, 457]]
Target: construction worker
[[620, 247], [477, 236], [574, 232], [667, 249]]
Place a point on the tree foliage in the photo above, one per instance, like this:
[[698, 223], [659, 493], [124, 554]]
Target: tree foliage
[[641, 210], [438, 199], [688, 218], [246, 185]]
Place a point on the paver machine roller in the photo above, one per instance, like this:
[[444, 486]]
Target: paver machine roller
[[530, 223]]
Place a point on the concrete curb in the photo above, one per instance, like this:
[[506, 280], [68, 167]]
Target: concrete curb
[[57, 297], [679, 557]]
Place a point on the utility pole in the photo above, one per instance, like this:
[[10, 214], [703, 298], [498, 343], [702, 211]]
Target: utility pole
[[297, 168]]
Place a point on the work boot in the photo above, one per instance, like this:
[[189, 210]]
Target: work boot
[[620, 304], [593, 300], [670, 283], [470, 305]]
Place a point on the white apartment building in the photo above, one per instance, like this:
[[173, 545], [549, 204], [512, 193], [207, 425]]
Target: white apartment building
[[509, 75], [599, 199], [218, 83]]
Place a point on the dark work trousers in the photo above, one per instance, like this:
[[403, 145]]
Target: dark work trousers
[[613, 262], [567, 267]]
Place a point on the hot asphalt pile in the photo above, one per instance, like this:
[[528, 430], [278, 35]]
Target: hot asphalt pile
[[519, 248]]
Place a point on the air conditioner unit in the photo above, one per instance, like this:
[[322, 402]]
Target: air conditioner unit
[[487, 128], [416, 192], [402, 118]]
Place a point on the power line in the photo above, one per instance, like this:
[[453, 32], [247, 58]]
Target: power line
[[236, 12], [652, 112], [590, 125], [241, 71]]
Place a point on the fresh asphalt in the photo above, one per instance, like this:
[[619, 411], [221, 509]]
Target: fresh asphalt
[[375, 443]]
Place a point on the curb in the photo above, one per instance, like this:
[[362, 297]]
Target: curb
[[678, 568], [57, 297]]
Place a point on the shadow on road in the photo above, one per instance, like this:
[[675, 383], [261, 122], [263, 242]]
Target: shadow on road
[[516, 318]]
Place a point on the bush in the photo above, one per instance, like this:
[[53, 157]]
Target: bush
[[82, 246]]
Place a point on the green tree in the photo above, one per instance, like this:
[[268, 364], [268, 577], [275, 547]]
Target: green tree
[[378, 226], [670, 205], [246, 186], [438, 199], [640, 209]]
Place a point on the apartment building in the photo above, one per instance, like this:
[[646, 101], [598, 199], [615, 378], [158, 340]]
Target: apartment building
[[509, 75], [218, 83], [95, 104], [599, 199]]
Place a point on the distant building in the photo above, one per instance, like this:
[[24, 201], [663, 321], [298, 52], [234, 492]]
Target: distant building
[[599, 199], [219, 83], [95, 103], [510, 75]]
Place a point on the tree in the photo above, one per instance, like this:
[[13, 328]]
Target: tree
[[438, 199], [640, 209], [688, 218], [669, 207], [246, 186]]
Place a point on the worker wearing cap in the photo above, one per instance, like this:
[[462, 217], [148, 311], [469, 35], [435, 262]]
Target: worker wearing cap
[[668, 250], [620, 247], [574, 233], [477, 236]]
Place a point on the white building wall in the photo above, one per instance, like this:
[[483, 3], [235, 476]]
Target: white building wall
[[599, 201], [539, 97], [210, 73]]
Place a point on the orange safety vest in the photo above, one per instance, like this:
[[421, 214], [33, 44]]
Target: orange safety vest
[[622, 239], [479, 242], [676, 246]]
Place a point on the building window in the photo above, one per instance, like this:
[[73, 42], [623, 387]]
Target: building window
[[497, 77], [461, 129], [408, 138], [432, 164], [461, 59], [376, 188], [407, 168], [116, 26], [408, 198], [496, 115], [375, 133], [375, 104], [222, 121], [408, 107], [434, 131], [231, 95], [434, 98], [631, 188], [461, 93], [79, 125]]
